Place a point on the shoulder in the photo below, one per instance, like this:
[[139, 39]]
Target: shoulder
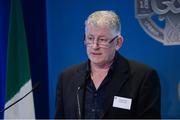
[[132, 65], [141, 69], [138, 66], [75, 68], [135, 69], [73, 72], [144, 73]]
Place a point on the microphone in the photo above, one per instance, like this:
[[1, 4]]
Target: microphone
[[78, 101], [77, 94], [34, 87]]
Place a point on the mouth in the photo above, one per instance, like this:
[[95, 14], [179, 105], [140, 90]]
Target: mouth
[[95, 53]]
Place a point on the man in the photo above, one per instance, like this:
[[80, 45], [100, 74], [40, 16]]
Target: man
[[107, 85]]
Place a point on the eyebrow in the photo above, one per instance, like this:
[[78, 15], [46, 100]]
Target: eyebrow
[[98, 36]]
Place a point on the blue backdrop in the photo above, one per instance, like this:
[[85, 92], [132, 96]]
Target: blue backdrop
[[4, 19], [65, 27]]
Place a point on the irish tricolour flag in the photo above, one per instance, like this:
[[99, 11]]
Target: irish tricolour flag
[[18, 80]]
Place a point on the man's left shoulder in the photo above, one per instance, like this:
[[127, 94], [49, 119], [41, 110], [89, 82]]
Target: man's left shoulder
[[139, 67], [142, 72]]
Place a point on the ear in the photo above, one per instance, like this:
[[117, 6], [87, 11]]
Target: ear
[[119, 42]]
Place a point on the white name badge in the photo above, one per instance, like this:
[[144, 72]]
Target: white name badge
[[122, 102]]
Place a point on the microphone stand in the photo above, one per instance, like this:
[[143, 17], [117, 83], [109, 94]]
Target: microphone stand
[[78, 101], [83, 85]]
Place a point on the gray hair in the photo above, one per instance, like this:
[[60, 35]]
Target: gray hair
[[108, 18]]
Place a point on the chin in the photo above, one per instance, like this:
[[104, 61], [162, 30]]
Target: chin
[[95, 61]]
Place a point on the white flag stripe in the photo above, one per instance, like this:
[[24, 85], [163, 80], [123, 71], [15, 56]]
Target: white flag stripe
[[24, 109]]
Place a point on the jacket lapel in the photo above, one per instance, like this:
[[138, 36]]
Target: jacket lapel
[[120, 76]]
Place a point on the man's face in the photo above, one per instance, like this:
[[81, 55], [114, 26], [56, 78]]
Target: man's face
[[97, 53]]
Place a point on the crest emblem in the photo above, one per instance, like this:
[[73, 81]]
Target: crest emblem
[[160, 19]]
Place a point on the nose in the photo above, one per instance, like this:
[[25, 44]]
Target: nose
[[95, 45]]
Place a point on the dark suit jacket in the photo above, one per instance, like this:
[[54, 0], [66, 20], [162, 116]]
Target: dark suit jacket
[[130, 80]]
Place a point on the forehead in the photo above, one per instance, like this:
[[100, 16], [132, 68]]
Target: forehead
[[98, 30]]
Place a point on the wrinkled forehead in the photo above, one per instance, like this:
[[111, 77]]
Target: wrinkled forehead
[[102, 30], [102, 22]]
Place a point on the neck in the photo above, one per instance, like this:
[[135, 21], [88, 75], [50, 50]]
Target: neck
[[99, 72], [101, 67]]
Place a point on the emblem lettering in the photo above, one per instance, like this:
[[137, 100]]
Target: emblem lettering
[[169, 7], [168, 12]]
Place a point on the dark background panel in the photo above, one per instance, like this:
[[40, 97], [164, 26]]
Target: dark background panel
[[35, 22], [4, 21]]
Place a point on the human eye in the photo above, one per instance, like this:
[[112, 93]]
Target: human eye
[[90, 38], [103, 40]]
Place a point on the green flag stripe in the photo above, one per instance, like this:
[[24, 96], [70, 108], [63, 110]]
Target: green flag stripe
[[18, 71]]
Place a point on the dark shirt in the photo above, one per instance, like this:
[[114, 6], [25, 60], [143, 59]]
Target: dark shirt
[[94, 98]]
